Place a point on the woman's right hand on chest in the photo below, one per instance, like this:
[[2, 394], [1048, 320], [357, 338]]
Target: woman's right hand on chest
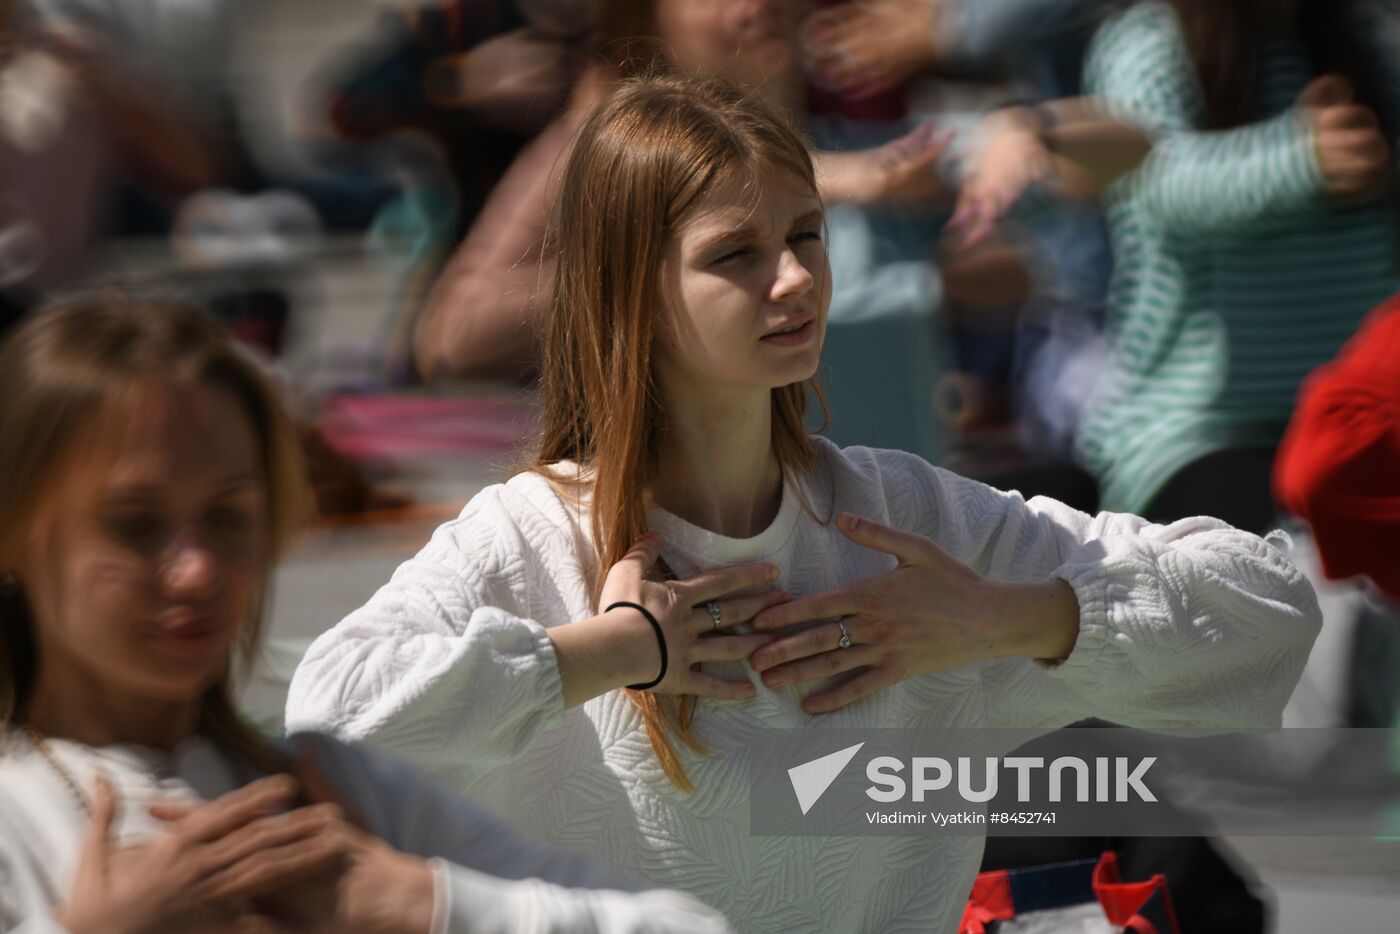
[[696, 618]]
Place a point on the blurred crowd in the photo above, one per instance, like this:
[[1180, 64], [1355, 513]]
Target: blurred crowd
[[1080, 247], [436, 137]]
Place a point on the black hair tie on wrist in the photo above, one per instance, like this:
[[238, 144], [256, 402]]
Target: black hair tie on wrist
[[660, 641]]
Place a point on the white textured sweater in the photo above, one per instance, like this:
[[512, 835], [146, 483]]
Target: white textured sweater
[[1192, 624], [486, 878]]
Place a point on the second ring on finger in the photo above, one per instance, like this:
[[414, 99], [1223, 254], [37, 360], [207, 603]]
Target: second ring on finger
[[708, 618], [716, 615]]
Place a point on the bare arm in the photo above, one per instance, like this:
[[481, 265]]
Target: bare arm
[[1067, 146], [1091, 150], [479, 318], [903, 171]]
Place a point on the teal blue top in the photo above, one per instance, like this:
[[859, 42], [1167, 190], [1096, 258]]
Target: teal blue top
[[1236, 273]]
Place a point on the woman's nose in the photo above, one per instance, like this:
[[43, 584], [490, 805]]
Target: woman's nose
[[190, 565], [793, 280]]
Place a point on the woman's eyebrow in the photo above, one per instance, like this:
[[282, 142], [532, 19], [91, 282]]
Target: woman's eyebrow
[[747, 231], [232, 483], [725, 237]]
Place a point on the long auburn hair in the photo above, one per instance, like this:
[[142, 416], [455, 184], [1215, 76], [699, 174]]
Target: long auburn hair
[[1223, 38], [640, 166], [64, 369]]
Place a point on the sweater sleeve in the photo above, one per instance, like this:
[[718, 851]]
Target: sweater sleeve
[[445, 663], [1339, 464], [981, 32], [1193, 624], [1238, 182], [488, 879]]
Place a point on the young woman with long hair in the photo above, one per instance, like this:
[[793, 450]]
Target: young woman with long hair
[[148, 479], [593, 646]]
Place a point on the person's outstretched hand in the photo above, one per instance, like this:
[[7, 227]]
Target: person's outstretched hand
[[1008, 157], [931, 613], [902, 172]]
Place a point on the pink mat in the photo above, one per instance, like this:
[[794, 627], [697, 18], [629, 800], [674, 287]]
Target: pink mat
[[389, 427]]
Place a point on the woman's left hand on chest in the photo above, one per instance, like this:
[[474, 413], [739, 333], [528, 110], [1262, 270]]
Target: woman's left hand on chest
[[931, 613]]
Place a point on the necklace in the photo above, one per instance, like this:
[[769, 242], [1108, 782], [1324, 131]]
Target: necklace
[[156, 779], [41, 746]]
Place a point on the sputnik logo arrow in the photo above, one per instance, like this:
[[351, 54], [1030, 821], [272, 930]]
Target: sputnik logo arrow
[[810, 780]]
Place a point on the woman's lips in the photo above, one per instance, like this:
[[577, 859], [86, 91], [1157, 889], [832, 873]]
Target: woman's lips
[[189, 628], [792, 338]]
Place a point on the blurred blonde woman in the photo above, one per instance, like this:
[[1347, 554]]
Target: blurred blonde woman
[[148, 480]]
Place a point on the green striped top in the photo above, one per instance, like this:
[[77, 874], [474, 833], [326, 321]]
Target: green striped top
[[1235, 273]]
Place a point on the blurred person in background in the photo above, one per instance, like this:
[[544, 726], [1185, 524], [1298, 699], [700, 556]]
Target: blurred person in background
[[478, 320], [126, 123], [273, 179], [1250, 243], [148, 483], [480, 77], [1058, 343], [117, 121], [77, 124], [180, 48], [72, 122], [1048, 358], [1212, 887], [866, 47], [1247, 248], [481, 319], [174, 54]]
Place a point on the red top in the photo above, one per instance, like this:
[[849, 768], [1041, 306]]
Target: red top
[[1339, 466]]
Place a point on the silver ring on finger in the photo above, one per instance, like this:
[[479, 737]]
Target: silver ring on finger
[[716, 620], [845, 642]]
